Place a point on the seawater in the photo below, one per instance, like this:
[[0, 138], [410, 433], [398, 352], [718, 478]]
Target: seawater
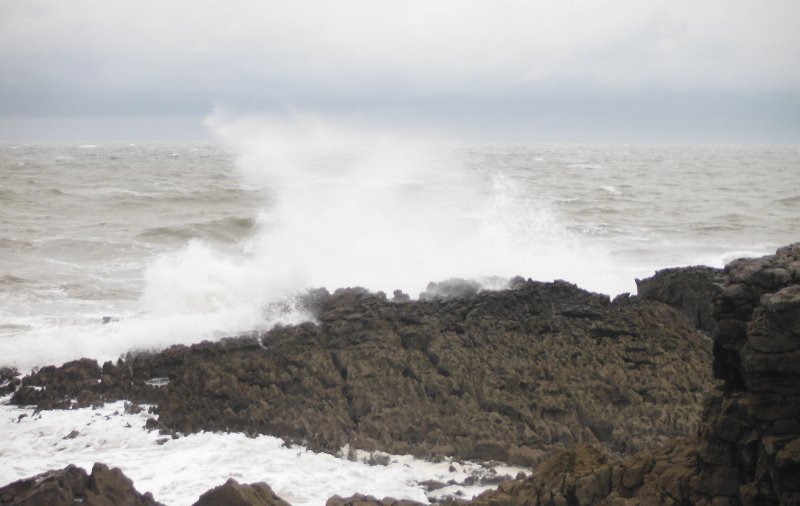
[[191, 241]]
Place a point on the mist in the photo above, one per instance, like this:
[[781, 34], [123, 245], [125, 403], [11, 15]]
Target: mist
[[378, 209]]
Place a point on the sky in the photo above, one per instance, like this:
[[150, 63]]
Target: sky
[[500, 70]]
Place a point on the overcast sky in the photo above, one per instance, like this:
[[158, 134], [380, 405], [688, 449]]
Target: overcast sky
[[566, 70]]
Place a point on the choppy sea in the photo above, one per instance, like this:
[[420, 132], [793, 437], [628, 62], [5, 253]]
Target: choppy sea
[[176, 243]]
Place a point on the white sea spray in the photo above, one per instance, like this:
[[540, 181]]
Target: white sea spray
[[177, 471]]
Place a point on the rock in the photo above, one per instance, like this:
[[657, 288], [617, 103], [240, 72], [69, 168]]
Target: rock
[[71, 485], [525, 457], [112, 486], [367, 500], [469, 376], [431, 485], [234, 494], [9, 380], [379, 459], [689, 289], [747, 450], [400, 296], [449, 289]]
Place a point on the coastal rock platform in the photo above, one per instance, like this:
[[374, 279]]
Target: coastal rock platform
[[612, 401], [512, 375]]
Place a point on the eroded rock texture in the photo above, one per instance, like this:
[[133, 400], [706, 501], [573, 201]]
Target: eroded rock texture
[[747, 450], [234, 494], [513, 375], [71, 485], [690, 289]]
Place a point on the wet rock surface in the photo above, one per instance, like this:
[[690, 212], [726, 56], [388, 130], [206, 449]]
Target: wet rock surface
[[9, 380], [692, 290], [72, 485], [512, 375], [234, 494], [747, 450]]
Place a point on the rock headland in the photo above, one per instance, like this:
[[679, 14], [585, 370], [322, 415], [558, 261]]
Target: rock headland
[[613, 400], [512, 375], [747, 449]]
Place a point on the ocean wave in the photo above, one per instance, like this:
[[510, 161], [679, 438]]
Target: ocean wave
[[789, 201], [83, 291], [122, 191], [585, 166], [14, 245], [55, 191], [200, 249], [10, 280], [599, 209], [229, 229]]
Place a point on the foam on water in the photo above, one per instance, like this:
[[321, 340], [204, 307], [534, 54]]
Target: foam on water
[[178, 471]]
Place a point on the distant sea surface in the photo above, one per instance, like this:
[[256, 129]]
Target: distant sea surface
[[182, 242]]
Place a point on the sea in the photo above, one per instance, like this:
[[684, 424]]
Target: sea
[[113, 247]]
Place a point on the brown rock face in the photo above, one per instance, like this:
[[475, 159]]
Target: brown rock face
[[692, 290], [71, 485], [233, 494], [367, 500], [9, 380], [511, 375], [747, 450]]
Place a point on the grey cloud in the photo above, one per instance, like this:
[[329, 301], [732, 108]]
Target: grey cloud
[[90, 57]]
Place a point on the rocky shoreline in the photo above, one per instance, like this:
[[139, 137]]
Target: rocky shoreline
[[614, 401]]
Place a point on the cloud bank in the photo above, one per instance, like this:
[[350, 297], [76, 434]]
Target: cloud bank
[[434, 58]]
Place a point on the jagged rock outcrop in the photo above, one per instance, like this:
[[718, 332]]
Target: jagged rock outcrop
[[690, 289], [747, 451], [71, 485], [489, 375], [512, 375], [9, 380], [234, 494], [368, 500]]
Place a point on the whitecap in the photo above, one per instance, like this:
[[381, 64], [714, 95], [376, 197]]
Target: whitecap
[[178, 471]]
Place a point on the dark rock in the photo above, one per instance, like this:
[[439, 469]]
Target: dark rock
[[431, 485], [689, 289], [367, 500], [450, 289], [747, 449], [379, 459], [517, 372], [399, 296], [234, 494], [9, 380], [71, 485], [132, 408]]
